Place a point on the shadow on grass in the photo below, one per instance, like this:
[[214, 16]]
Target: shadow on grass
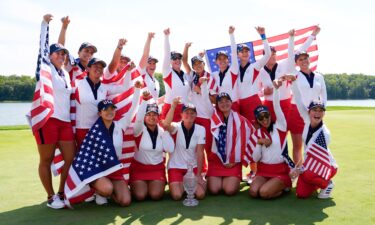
[[213, 210]]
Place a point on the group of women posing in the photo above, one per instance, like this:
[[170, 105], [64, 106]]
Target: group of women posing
[[215, 122]]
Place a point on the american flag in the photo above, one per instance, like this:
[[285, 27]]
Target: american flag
[[43, 102], [317, 157], [123, 103], [96, 158], [280, 42], [237, 135]]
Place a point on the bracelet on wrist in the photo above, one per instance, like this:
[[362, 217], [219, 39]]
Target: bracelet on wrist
[[263, 36]]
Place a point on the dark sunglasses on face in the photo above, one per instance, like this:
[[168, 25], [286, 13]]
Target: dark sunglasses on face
[[263, 116]]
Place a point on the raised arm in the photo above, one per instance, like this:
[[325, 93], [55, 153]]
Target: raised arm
[[138, 125], [323, 92], [65, 23], [267, 51], [234, 67], [297, 97], [280, 117], [146, 51], [205, 94], [167, 53], [116, 57], [310, 39], [167, 123], [127, 118], [185, 56]]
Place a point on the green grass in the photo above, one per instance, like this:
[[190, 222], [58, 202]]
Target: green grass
[[22, 198], [15, 127]]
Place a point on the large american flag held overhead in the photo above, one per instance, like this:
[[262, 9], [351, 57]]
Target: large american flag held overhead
[[96, 158], [42, 105], [280, 42], [317, 157]]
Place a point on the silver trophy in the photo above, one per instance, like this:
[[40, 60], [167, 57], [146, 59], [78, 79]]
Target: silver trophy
[[190, 185]]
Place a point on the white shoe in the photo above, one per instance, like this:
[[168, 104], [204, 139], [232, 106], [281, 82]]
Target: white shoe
[[55, 202], [326, 192], [100, 200]]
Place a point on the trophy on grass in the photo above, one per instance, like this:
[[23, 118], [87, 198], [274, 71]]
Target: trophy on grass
[[190, 185]]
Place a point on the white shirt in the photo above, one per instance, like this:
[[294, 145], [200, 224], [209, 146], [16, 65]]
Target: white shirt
[[181, 155], [272, 153], [317, 92], [173, 85], [61, 93], [229, 83], [87, 105], [201, 100], [145, 153], [249, 86], [151, 84]]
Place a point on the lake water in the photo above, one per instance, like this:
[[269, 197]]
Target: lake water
[[14, 113]]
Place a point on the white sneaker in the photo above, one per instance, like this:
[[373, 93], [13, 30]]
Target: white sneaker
[[326, 192], [100, 200], [55, 202]]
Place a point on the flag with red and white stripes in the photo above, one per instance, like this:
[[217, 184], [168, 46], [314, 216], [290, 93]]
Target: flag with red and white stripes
[[279, 42], [42, 106], [237, 135], [317, 157]]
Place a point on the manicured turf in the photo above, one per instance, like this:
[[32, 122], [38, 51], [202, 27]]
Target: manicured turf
[[22, 198]]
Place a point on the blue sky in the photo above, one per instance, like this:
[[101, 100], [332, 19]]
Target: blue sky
[[345, 42]]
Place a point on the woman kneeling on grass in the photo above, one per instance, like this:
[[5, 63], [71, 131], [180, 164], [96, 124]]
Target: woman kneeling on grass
[[189, 144], [147, 170], [97, 162], [319, 166], [272, 176]]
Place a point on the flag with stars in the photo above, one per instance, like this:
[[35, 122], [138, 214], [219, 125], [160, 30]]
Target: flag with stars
[[221, 142], [317, 157], [211, 55], [96, 158], [279, 42]]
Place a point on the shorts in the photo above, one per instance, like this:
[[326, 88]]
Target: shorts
[[285, 107], [53, 131], [217, 169], [294, 121], [80, 135], [248, 105]]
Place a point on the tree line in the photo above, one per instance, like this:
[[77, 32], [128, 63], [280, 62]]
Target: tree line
[[339, 86]]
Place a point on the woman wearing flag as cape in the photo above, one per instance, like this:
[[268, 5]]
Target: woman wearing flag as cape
[[272, 176], [50, 118], [231, 133], [147, 170], [319, 166], [97, 163]]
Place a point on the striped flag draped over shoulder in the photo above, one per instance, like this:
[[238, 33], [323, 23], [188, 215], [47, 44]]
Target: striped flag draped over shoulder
[[237, 135], [280, 42], [317, 157], [96, 158], [43, 101]]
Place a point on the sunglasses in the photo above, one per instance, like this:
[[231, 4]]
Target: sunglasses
[[263, 116]]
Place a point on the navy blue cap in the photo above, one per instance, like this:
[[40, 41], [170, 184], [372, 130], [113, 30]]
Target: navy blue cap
[[151, 58], [176, 55], [189, 106], [57, 47], [152, 108], [260, 109], [195, 59], [221, 53], [241, 47], [223, 95], [299, 54], [88, 45], [317, 104], [105, 104], [96, 60]]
